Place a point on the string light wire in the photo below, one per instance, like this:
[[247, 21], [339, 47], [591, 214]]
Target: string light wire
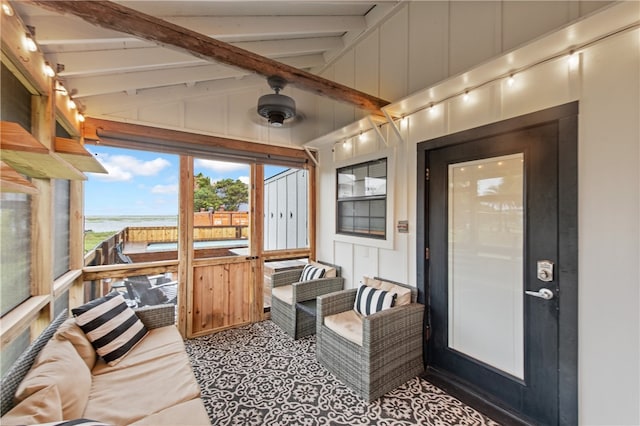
[[575, 51]]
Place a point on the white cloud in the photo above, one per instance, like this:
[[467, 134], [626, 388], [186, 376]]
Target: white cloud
[[244, 179], [123, 168], [165, 189], [219, 166]]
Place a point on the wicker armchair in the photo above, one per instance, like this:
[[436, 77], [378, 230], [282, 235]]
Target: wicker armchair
[[287, 291], [391, 350]]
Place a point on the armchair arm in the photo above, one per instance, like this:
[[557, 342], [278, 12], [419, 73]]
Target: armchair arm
[[285, 277], [392, 327], [308, 290], [157, 316], [334, 303]]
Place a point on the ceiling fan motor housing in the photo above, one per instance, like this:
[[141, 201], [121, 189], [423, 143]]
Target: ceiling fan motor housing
[[276, 107]]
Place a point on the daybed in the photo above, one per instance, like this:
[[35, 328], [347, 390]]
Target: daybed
[[153, 384]]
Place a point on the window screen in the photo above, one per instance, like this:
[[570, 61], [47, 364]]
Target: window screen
[[15, 250], [60, 227]]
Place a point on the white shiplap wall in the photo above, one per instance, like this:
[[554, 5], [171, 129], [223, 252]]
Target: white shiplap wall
[[608, 88]]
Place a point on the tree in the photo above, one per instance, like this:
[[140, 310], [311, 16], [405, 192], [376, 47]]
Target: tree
[[204, 198], [232, 193], [227, 193], [201, 181]]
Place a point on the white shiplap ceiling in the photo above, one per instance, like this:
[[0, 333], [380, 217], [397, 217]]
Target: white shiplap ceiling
[[101, 64]]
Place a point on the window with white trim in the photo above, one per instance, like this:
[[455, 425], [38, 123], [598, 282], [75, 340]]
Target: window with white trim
[[362, 199]]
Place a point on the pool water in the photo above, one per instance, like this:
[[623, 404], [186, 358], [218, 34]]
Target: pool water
[[198, 244]]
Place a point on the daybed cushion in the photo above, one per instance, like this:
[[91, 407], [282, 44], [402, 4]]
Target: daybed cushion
[[154, 376], [186, 413], [347, 324], [404, 294], [284, 293], [40, 407], [59, 365], [112, 327], [70, 331], [159, 344]]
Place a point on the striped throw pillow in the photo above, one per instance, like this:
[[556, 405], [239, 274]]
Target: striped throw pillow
[[311, 272], [111, 326], [74, 422], [370, 300]]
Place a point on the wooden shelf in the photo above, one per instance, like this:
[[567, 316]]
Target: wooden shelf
[[73, 152], [28, 156], [12, 181]]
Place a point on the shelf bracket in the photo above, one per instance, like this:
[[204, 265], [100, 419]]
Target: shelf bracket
[[377, 129], [311, 156], [393, 125]]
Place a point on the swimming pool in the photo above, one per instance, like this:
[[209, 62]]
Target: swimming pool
[[198, 244]]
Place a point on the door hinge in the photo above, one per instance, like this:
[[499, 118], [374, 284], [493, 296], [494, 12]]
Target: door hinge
[[427, 174], [426, 253]]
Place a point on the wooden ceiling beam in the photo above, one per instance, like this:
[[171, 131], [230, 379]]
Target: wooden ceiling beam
[[179, 142], [114, 16]]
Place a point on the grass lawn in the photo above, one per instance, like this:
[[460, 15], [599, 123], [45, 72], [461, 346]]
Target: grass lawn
[[92, 239]]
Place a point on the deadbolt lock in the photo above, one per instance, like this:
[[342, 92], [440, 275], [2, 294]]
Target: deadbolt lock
[[545, 270]]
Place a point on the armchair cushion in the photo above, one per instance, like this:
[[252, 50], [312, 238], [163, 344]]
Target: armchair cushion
[[347, 324], [404, 293], [311, 272], [284, 293], [370, 300]]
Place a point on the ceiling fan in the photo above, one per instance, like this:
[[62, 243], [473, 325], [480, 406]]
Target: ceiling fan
[[278, 110]]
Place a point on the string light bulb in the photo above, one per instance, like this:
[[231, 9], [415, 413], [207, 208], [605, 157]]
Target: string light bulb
[[60, 88], [80, 117], [30, 43], [48, 70], [71, 104], [466, 96], [511, 80], [7, 9]]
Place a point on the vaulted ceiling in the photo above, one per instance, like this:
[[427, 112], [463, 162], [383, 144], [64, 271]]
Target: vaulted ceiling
[[100, 65]]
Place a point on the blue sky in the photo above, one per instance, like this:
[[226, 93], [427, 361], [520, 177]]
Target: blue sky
[[146, 183]]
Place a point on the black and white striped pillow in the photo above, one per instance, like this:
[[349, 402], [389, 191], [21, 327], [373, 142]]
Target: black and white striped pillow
[[370, 300], [311, 272], [75, 422], [111, 326]]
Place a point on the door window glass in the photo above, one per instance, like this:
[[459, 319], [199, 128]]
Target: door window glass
[[485, 248]]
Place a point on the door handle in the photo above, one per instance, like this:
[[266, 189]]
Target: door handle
[[544, 293]]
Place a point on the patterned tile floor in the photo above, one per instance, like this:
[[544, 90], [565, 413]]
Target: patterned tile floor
[[257, 375]]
